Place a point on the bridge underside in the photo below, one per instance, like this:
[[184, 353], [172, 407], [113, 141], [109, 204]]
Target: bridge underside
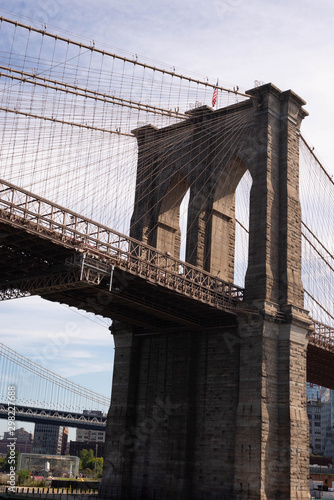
[[56, 417], [33, 265], [317, 359]]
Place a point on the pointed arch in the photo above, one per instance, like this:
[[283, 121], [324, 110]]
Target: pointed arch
[[242, 215], [184, 206], [222, 233], [168, 227]]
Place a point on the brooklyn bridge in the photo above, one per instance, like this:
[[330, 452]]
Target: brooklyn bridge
[[204, 229]]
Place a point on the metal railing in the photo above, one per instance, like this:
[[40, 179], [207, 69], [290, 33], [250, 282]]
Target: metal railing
[[322, 336], [21, 208]]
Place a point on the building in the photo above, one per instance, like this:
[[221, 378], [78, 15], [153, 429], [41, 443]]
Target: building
[[321, 474], [64, 442], [49, 439], [314, 411], [314, 407], [77, 446], [87, 439], [85, 435], [23, 443], [320, 410], [314, 391], [327, 423]]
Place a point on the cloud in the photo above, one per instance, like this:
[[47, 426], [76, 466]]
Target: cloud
[[56, 336], [288, 43]]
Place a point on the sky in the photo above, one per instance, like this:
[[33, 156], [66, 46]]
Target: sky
[[288, 43]]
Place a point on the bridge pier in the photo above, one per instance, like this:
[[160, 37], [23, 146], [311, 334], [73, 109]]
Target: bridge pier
[[172, 428], [219, 413], [272, 446], [210, 414]]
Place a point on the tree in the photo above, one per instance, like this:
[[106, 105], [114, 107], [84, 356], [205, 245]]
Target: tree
[[87, 459], [9, 460], [3, 463], [90, 464], [23, 476], [99, 466]]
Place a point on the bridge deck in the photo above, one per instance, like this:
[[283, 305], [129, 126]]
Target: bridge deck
[[63, 256], [39, 237], [20, 208], [58, 417]]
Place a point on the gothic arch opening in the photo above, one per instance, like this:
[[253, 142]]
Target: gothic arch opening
[[168, 227], [222, 236], [242, 208], [184, 224]]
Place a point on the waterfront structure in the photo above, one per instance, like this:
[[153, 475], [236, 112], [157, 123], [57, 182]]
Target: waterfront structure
[[48, 465]]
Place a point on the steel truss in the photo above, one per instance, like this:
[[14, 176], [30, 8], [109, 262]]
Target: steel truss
[[322, 336], [84, 271], [100, 250], [60, 417], [35, 215]]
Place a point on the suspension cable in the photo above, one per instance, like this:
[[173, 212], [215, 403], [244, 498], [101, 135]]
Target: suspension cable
[[124, 59]]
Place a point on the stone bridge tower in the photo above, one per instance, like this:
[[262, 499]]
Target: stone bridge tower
[[218, 413]]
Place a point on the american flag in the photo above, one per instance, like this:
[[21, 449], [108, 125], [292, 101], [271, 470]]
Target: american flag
[[214, 97]]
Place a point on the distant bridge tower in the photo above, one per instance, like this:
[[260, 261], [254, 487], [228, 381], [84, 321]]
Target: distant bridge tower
[[218, 413]]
